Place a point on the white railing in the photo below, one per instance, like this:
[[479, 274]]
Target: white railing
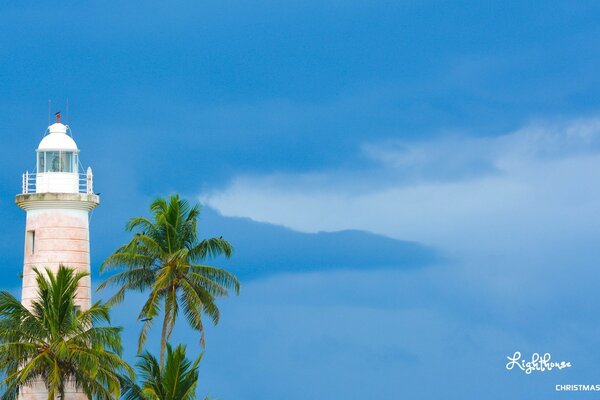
[[85, 182]]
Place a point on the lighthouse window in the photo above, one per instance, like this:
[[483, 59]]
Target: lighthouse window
[[30, 242], [57, 161], [66, 161], [41, 163], [53, 160]]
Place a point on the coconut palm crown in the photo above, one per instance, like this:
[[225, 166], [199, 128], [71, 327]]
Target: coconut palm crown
[[166, 258], [176, 381], [56, 343]]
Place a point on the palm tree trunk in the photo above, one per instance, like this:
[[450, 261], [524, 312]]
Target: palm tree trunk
[[163, 338]]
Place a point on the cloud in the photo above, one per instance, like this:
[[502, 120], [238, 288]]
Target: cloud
[[515, 224], [264, 249], [439, 191]]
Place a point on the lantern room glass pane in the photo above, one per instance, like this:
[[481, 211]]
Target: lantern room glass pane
[[66, 161], [41, 163], [53, 161]]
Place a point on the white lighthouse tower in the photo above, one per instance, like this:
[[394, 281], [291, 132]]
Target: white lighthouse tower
[[57, 198]]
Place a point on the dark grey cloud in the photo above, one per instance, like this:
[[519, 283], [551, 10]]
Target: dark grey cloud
[[263, 249]]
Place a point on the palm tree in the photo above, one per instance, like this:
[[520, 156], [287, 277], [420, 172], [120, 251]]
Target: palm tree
[[57, 344], [176, 381], [166, 257]]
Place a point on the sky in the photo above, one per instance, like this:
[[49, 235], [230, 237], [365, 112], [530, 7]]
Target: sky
[[410, 187]]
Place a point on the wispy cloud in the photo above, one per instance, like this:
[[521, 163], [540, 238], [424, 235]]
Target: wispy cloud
[[538, 141], [532, 168], [535, 200]]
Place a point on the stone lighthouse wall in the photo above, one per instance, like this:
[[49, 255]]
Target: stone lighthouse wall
[[54, 237]]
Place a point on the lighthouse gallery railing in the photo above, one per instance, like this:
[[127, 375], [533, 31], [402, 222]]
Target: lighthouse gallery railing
[[85, 182]]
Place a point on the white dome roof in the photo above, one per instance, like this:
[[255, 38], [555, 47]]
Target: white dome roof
[[57, 139]]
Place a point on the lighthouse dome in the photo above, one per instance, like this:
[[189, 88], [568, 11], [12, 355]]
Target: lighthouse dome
[[57, 139], [57, 161]]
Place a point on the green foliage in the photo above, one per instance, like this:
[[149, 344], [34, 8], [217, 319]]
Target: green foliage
[[176, 381], [166, 257], [56, 343]]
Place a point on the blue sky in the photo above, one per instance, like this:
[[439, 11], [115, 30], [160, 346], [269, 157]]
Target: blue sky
[[410, 186]]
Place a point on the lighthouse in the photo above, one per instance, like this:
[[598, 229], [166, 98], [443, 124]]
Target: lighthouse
[[57, 198]]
